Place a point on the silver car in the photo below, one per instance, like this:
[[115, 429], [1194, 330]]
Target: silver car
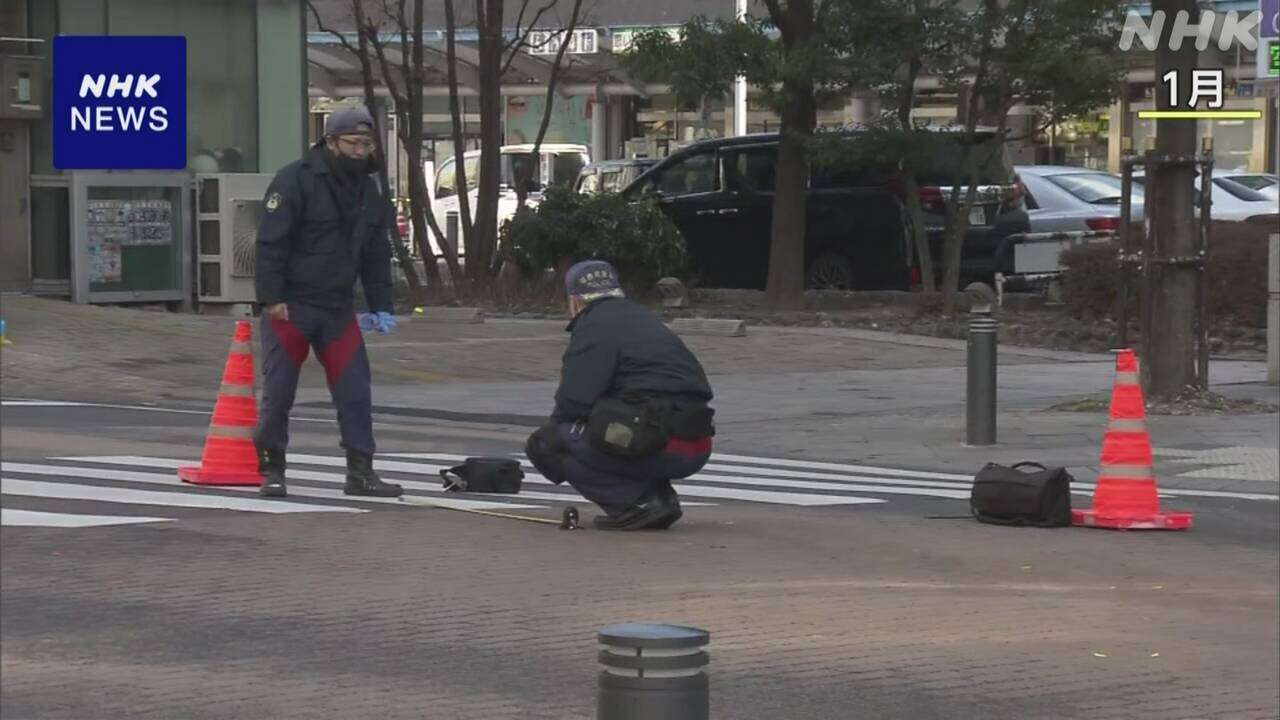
[[1063, 198]]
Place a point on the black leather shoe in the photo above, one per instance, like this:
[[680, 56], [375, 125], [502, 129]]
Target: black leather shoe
[[657, 512], [271, 465], [669, 494], [362, 480]]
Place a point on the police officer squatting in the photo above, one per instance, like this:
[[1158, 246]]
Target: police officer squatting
[[324, 225], [631, 412]]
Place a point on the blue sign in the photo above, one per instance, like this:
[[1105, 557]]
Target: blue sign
[[119, 102]]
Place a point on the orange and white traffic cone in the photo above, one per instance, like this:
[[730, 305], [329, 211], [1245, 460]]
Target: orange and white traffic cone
[[1126, 497], [229, 456]]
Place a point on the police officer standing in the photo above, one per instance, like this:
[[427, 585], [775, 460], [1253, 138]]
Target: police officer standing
[[631, 411], [324, 226]]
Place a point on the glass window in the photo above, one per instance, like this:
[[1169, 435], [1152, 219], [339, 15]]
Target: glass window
[[1239, 190], [566, 166], [611, 180], [446, 182], [51, 228], [222, 73], [1254, 182], [1095, 188], [472, 167], [515, 165], [696, 174], [752, 168]]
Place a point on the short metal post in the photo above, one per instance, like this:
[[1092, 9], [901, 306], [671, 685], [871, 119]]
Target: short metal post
[[653, 672], [981, 387]]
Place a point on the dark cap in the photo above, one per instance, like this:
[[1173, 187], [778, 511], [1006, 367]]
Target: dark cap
[[593, 279], [348, 122]]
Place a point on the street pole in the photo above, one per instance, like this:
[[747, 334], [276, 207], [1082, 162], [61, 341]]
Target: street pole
[[740, 85], [980, 396]]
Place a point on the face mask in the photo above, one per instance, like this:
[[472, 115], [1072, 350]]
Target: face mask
[[352, 167]]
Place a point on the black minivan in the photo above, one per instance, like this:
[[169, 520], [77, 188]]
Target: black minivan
[[719, 193]]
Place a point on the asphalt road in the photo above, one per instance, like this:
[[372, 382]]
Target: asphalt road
[[831, 588]]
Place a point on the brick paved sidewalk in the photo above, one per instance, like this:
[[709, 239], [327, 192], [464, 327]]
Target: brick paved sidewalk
[[813, 614]]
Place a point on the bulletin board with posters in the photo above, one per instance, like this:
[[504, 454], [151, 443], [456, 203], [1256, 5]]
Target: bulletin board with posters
[[131, 237]]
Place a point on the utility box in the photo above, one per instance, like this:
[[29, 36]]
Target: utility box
[[22, 95], [229, 207]]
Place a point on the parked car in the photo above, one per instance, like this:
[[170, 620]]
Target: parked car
[[557, 164], [1266, 184], [1231, 200], [612, 175], [1062, 198], [720, 195]]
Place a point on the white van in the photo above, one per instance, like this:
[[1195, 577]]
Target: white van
[[558, 164]]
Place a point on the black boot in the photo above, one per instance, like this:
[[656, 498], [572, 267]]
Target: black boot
[[669, 493], [362, 480], [656, 511], [271, 465]]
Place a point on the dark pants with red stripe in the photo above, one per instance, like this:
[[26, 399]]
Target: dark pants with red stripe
[[562, 453], [339, 347]]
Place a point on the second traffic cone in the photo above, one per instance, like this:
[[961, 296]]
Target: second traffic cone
[[1126, 497], [229, 455]]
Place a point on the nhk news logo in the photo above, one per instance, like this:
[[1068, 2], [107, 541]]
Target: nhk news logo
[[119, 102]]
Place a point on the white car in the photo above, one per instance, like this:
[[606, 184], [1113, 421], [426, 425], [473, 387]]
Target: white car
[[558, 164], [1265, 184], [1061, 198], [1231, 200]]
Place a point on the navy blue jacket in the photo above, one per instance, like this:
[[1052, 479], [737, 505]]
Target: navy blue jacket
[[317, 235], [618, 346]]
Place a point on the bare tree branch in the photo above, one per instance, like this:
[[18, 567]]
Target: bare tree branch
[[455, 116], [555, 77], [521, 40]]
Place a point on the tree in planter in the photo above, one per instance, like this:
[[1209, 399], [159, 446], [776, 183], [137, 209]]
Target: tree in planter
[[1056, 53], [638, 238], [795, 73], [888, 46], [497, 53]]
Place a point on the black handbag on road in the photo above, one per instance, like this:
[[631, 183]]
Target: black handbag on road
[[484, 475], [1009, 496]]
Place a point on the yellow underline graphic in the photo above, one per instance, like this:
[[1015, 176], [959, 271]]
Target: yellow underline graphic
[[1200, 114]]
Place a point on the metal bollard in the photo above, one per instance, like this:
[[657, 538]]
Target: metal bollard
[[653, 672], [981, 388]]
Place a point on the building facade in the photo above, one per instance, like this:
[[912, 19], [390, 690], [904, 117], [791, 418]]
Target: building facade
[[246, 114]]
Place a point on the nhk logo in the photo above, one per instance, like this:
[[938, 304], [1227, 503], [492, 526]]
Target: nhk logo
[[1229, 27], [119, 102]]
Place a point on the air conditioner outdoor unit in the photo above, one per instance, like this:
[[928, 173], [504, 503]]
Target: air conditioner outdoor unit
[[229, 207]]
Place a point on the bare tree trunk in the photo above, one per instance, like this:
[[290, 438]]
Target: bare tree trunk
[[785, 288], [911, 186], [1170, 365], [489, 21], [459, 142], [958, 212]]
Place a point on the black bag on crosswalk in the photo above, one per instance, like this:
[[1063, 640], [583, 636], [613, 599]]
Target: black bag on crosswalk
[[1009, 496], [484, 475]]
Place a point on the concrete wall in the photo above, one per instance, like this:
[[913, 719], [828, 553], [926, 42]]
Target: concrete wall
[[15, 188], [282, 83]]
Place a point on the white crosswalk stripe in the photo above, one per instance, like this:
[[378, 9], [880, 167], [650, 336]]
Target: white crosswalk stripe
[[115, 480]]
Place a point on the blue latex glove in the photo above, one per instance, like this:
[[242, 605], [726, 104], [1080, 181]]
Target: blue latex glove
[[383, 322]]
